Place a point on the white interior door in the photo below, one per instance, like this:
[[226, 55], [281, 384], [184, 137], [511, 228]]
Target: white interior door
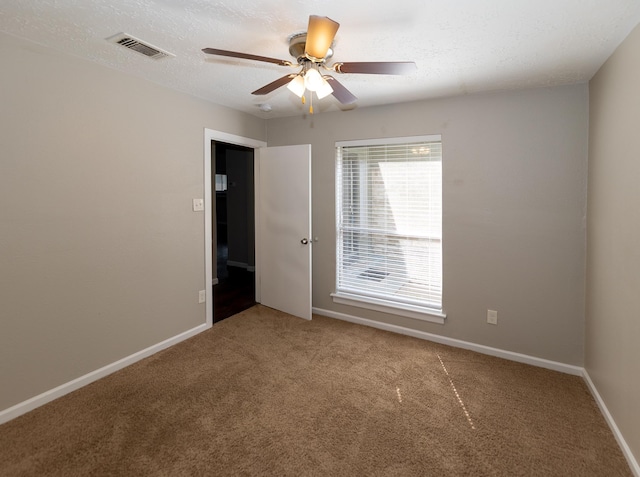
[[284, 205]]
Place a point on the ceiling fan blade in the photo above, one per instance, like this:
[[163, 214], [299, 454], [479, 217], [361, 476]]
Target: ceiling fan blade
[[274, 85], [341, 93], [246, 56], [377, 68], [320, 34]]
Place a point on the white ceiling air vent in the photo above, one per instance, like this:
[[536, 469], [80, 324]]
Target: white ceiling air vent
[[140, 46]]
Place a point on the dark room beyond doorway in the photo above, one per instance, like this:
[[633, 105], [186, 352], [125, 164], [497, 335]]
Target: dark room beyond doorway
[[233, 183]]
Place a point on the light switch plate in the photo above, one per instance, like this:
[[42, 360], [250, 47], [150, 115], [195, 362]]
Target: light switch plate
[[198, 205], [492, 317]]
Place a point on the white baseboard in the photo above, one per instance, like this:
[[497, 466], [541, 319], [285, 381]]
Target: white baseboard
[[510, 355], [48, 396], [633, 463]]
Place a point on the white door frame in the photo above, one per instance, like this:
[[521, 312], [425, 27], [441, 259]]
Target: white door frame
[[219, 136]]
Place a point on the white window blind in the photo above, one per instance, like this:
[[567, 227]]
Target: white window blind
[[221, 182], [389, 221]]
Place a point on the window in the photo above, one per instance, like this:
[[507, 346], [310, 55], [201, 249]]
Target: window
[[221, 182], [389, 226]]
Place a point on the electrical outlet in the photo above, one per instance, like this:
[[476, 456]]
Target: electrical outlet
[[492, 317], [202, 296]]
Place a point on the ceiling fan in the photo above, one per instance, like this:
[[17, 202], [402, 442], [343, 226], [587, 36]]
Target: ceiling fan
[[311, 50]]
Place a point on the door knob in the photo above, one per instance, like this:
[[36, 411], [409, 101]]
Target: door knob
[[304, 241]]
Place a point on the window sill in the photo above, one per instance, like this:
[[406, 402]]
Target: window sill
[[411, 311]]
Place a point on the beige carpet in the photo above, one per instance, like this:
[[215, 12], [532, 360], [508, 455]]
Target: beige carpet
[[263, 393]]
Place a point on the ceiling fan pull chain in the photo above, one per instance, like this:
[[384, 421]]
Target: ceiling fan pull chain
[[310, 102]]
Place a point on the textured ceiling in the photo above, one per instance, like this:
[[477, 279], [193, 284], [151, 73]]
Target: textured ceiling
[[459, 46]]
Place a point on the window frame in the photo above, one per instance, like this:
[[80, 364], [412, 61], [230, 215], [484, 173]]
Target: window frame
[[366, 300]]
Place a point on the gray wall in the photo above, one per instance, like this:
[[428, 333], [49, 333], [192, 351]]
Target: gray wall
[[100, 253], [613, 260], [101, 256], [515, 167]]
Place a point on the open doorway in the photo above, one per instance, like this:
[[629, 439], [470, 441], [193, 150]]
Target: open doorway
[[234, 241]]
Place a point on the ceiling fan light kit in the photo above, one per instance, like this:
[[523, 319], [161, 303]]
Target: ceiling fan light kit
[[313, 79], [296, 86], [324, 89], [311, 50]]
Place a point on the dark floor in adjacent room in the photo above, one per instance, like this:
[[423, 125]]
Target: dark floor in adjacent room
[[235, 290]]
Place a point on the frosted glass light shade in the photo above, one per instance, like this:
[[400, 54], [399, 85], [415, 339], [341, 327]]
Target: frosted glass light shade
[[313, 80], [324, 90], [296, 86]]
